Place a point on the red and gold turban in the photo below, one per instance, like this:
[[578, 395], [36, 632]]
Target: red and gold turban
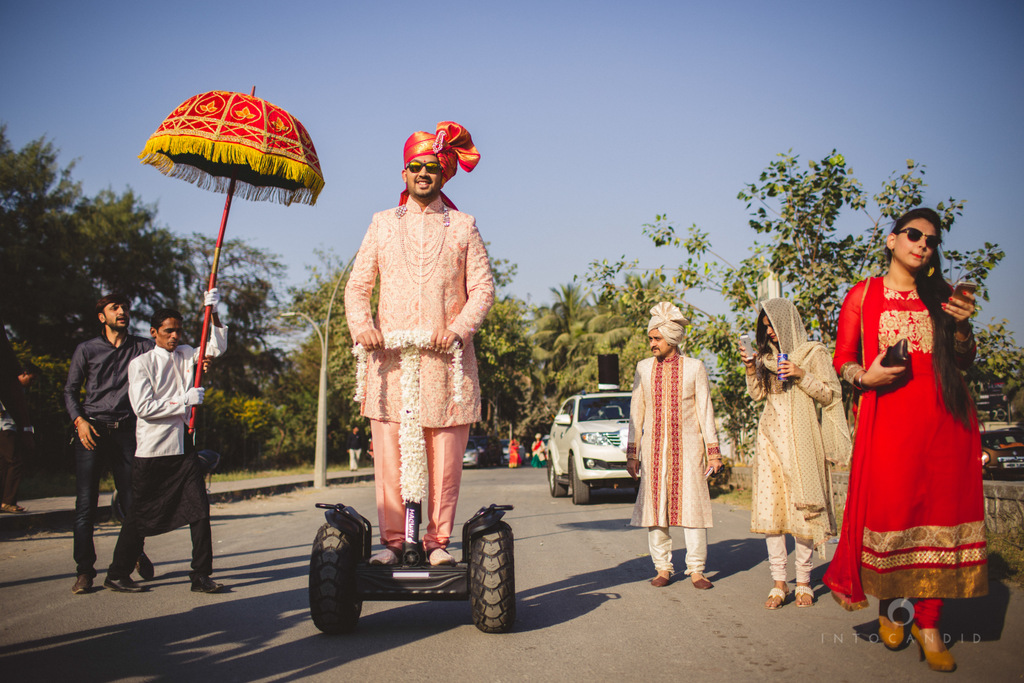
[[453, 147]]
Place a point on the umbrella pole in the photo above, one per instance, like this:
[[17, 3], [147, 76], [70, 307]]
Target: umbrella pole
[[209, 309]]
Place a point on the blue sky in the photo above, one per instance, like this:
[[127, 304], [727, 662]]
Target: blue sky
[[591, 117]]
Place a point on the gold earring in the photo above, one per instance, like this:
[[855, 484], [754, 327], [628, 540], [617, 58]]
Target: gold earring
[[931, 271]]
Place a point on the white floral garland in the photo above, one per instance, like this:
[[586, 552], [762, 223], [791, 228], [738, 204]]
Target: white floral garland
[[411, 445]]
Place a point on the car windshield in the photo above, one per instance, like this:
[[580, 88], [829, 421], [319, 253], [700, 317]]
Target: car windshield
[[604, 408], [1000, 439]]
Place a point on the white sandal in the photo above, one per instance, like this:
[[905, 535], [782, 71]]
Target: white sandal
[[805, 590], [777, 593]]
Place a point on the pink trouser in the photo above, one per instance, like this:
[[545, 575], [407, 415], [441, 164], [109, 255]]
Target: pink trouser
[[445, 448]]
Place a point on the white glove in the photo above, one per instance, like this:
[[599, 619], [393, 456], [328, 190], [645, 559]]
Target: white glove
[[211, 298], [194, 396]]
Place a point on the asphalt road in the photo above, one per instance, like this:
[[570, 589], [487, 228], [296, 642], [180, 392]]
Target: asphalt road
[[585, 609]]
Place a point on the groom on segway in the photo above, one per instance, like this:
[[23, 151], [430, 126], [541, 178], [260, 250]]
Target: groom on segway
[[435, 279]]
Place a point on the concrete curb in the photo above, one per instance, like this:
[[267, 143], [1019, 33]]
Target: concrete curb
[[222, 492]]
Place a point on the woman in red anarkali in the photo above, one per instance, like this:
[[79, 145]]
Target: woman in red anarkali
[[914, 525]]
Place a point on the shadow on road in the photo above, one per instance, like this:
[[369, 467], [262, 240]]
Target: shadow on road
[[574, 596], [733, 556], [219, 637]]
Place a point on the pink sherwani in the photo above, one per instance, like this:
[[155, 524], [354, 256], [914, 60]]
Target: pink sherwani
[[431, 277]]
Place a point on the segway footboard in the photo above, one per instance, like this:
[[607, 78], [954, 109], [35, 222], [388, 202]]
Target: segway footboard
[[412, 583]]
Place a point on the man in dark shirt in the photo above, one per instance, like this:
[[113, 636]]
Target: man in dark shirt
[[15, 426], [105, 426], [355, 448]]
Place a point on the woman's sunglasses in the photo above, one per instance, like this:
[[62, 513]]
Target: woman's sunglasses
[[913, 234], [433, 167]]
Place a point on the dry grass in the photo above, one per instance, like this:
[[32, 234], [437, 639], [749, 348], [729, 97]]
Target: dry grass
[[1006, 556], [730, 495]]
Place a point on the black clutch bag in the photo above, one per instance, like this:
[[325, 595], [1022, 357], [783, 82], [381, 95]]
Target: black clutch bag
[[896, 354]]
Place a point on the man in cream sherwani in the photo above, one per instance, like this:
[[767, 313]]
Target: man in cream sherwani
[[672, 442]]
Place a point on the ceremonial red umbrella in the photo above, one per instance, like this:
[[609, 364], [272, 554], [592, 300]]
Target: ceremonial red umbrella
[[240, 145]]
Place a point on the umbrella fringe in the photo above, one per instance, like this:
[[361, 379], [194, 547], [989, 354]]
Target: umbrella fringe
[[158, 151]]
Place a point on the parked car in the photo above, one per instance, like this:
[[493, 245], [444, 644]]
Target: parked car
[[1002, 453], [481, 451], [587, 448], [475, 450]]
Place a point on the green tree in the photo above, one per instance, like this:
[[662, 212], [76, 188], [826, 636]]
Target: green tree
[[797, 211], [295, 392], [248, 280], [503, 352], [62, 251]]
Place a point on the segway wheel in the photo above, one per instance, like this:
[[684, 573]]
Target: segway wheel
[[492, 580], [333, 601]]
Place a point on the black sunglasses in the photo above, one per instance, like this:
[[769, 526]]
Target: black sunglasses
[[433, 167], [913, 234]]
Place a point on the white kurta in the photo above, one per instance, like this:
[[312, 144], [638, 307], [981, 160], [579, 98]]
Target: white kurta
[[671, 427], [157, 382]]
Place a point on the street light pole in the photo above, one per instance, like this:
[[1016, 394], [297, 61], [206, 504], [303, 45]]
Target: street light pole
[[320, 453]]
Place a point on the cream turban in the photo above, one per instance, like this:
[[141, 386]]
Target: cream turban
[[670, 321]]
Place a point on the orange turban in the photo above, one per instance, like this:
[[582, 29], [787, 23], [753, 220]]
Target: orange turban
[[453, 147]]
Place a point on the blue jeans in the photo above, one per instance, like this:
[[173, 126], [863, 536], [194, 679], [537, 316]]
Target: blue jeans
[[118, 447]]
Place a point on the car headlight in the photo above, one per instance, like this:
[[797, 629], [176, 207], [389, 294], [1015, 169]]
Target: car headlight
[[596, 438], [984, 458]]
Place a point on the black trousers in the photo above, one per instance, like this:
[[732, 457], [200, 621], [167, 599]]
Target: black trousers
[[129, 546], [168, 492], [118, 447]]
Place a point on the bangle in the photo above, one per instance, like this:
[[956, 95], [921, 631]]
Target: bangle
[[857, 379]]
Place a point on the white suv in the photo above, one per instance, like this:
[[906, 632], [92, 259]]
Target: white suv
[[587, 448]]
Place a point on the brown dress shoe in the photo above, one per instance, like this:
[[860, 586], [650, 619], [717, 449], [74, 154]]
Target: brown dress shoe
[[83, 584], [660, 581], [702, 584]]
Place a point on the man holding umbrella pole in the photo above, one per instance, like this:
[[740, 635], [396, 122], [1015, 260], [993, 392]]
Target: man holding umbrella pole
[[167, 480]]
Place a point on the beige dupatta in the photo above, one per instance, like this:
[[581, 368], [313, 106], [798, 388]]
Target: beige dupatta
[[817, 443]]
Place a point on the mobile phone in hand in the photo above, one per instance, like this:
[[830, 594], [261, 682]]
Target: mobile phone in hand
[[963, 286], [746, 345], [708, 471]]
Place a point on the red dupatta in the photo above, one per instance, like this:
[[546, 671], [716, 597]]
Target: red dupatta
[[856, 341]]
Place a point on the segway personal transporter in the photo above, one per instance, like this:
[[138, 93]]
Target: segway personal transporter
[[340, 577]]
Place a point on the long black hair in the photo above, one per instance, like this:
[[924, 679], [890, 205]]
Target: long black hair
[[934, 291], [765, 347]]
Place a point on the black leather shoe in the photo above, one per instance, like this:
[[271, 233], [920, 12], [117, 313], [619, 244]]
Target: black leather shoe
[[83, 584], [144, 566], [204, 584], [125, 585]]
